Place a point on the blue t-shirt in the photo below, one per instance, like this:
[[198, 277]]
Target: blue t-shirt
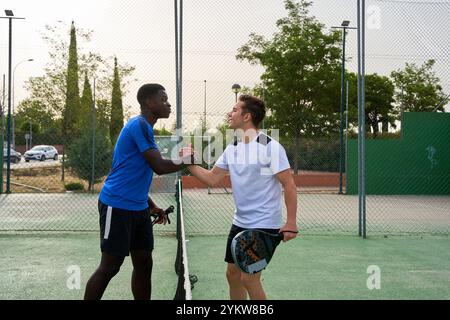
[[130, 178]]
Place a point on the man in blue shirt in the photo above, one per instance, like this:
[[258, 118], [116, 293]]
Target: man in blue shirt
[[125, 223]]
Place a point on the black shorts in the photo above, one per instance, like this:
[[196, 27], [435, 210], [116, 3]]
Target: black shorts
[[233, 232], [122, 231]]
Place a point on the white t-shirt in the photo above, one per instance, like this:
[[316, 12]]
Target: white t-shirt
[[256, 190]]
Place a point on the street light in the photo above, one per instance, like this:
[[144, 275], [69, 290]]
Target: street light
[[13, 101], [236, 89], [10, 17], [344, 26]]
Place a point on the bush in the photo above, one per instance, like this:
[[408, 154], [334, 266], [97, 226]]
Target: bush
[[76, 186], [315, 154]]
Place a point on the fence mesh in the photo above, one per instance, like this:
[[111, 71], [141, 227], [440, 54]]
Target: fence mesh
[[407, 88]]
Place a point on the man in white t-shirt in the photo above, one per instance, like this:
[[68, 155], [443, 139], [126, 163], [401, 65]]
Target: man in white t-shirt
[[258, 168]]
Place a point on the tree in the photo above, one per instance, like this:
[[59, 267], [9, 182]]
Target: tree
[[87, 111], [379, 103], [72, 110], [116, 107], [302, 72], [103, 114], [50, 88], [418, 89], [80, 157], [71, 113], [37, 113]]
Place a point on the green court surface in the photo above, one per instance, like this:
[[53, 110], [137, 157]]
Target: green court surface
[[311, 267], [34, 267], [314, 267]]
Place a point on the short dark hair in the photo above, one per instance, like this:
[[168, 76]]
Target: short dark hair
[[148, 91], [255, 106]]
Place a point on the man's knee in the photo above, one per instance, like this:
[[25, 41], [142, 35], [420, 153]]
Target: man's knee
[[233, 274], [142, 261], [110, 266], [250, 280]]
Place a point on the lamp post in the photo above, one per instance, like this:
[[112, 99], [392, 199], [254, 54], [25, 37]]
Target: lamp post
[[236, 89], [344, 26], [2, 133], [10, 17], [13, 101]]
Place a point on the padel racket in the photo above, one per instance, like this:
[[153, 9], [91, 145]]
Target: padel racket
[[252, 250]]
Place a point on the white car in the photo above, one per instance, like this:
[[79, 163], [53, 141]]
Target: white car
[[41, 153]]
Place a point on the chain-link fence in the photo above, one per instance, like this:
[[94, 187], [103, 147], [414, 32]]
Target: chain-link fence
[[55, 180]]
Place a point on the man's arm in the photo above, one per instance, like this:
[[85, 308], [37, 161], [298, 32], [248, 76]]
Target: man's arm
[[290, 197], [210, 178], [151, 204], [162, 166]]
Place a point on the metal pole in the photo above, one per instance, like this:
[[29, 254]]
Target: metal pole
[[402, 108], [363, 94], [10, 17], [209, 159], [94, 124], [341, 133], [13, 138], [359, 123], [179, 67], [346, 139], [362, 118], [2, 134], [177, 80], [181, 64], [31, 136], [8, 151]]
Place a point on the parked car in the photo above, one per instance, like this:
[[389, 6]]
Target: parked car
[[41, 153], [15, 156]]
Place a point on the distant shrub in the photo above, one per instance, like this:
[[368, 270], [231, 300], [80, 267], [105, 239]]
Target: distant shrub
[[74, 186]]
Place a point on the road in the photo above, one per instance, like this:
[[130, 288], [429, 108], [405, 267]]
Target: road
[[34, 164]]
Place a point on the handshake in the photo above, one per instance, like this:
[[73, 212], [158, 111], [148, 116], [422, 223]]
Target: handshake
[[187, 155]]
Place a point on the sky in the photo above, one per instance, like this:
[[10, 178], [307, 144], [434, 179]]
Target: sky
[[141, 33]]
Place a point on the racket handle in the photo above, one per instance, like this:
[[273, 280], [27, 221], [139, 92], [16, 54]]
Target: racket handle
[[171, 209]]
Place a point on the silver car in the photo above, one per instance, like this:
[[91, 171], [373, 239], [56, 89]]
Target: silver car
[[41, 153]]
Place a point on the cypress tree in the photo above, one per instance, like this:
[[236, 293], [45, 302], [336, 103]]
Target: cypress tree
[[71, 114], [73, 105], [116, 123], [87, 116]]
